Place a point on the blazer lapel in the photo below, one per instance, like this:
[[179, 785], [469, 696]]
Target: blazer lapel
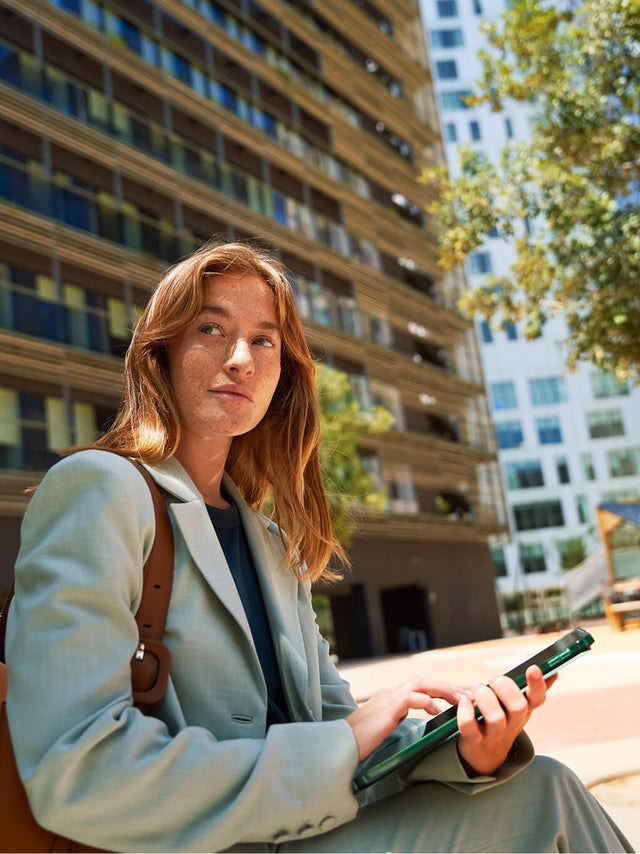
[[280, 590], [192, 519]]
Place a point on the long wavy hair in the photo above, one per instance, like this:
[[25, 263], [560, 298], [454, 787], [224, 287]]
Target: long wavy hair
[[279, 457]]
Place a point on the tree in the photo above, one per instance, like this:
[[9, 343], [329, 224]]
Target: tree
[[569, 198], [343, 422]]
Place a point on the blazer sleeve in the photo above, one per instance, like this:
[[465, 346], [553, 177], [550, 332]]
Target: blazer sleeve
[[94, 767]]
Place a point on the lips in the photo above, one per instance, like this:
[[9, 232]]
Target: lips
[[232, 390]]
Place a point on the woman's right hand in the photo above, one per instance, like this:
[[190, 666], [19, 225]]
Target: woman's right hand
[[377, 718]]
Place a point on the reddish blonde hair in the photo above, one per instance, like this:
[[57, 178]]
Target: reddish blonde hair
[[279, 457]]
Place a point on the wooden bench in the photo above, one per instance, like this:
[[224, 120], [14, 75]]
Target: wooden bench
[[621, 599]]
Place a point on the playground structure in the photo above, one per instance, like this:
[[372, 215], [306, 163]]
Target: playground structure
[[621, 590]]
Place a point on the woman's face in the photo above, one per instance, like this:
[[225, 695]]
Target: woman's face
[[225, 367]]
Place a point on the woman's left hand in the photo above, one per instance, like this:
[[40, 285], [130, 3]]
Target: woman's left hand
[[483, 745]]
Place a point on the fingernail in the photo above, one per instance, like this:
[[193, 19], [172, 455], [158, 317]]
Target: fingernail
[[464, 694]]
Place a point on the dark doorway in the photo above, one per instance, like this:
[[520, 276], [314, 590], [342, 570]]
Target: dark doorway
[[406, 618], [351, 623]]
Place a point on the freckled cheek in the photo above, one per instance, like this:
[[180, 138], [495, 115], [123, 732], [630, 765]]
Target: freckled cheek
[[269, 392], [187, 372]]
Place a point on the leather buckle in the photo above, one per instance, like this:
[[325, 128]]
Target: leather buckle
[[150, 666]]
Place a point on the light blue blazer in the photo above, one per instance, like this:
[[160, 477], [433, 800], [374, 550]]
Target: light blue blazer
[[200, 774]]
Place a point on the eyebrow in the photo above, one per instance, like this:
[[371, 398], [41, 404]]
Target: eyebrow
[[222, 312]]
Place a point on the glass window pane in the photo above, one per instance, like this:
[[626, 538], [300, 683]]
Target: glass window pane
[[503, 395]]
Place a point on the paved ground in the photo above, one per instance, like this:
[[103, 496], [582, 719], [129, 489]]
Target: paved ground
[[591, 720]]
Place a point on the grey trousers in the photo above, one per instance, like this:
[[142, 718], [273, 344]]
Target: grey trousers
[[543, 808]]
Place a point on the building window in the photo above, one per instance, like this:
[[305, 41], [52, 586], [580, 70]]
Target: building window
[[605, 423], [549, 432], [373, 467], [542, 514], [486, 334], [447, 38], [511, 330], [509, 434], [10, 438], [447, 8], [582, 506], [508, 128], [446, 69], [390, 398], [474, 131], [68, 5], [587, 466], [620, 495], [606, 385], [33, 427], [451, 133], [624, 463], [456, 100], [504, 395], [547, 390], [532, 557], [562, 469], [477, 7], [381, 331], [524, 474], [480, 263], [402, 492], [499, 562]]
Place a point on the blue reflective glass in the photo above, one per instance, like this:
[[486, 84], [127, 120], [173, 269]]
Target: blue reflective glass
[[131, 35], [9, 66], [181, 68], [37, 317], [228, 98], [72, 6], [75, 210], [279, 208], [98, 338], [14, 185]]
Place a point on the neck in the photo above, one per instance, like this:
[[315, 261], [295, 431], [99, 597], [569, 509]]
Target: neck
[[205, 466]]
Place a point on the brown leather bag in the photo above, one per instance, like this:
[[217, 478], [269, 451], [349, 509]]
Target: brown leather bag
[[150, 664]]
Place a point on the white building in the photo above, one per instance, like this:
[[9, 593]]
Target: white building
[[568, 441]]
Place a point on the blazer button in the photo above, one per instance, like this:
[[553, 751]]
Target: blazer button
[[327, 823]]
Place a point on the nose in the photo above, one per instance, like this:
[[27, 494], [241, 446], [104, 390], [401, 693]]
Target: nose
[[239, 357]]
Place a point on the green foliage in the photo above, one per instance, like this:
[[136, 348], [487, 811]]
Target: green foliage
[[569, 198], [572, 552], [345, 478]]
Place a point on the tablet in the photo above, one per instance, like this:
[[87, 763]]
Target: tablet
[[444, 726]]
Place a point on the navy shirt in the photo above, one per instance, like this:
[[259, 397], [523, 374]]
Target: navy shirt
[[231, 535]]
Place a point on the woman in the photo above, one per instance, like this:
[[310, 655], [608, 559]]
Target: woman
[[257, 740]]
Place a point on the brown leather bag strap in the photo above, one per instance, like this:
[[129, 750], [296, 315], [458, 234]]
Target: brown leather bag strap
[[152, 660], [3, 621], [158, 570]]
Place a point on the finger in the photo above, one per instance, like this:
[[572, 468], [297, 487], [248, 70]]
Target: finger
[[490, 705], [468, 724], [536, 687], [514, 703], [418, 700], [442, 690]]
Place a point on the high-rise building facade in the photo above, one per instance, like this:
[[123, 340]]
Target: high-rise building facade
[[132, 131], [568, 441]]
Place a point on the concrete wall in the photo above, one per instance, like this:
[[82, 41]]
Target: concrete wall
[[458, 580]]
